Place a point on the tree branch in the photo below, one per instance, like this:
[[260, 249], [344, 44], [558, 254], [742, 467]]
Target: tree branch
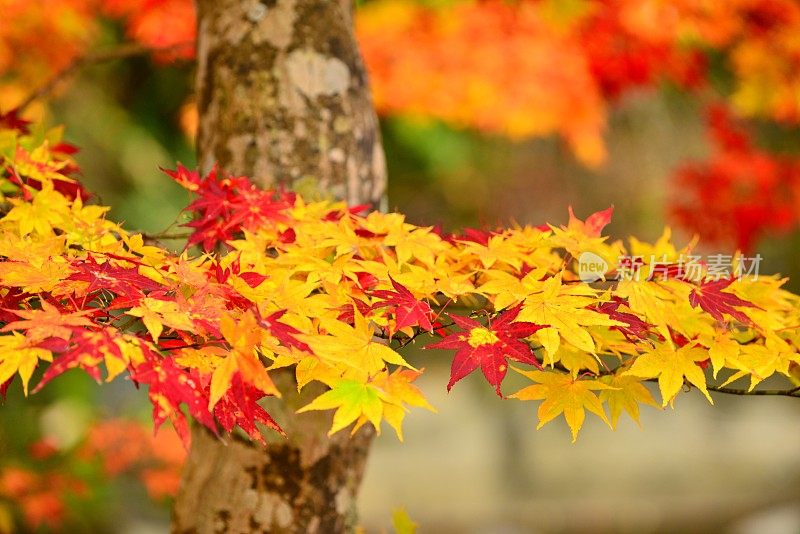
[[794, 392], [166, 236], [123, 51]]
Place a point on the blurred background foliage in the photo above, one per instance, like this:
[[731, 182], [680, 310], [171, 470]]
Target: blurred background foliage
[[493, 113]]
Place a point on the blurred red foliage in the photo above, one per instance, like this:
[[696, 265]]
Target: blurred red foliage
[[741, 191]]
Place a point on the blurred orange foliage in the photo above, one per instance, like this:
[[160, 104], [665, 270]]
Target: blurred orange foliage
[[41, 493], [40, 496], [496, 66], [124, 446], [526, 68]]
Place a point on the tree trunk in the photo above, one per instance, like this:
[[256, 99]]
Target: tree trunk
[[283, 98], [306, 483]]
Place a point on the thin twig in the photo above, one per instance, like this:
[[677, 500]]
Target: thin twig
[[794, 392], [166, 236], [123, 51]]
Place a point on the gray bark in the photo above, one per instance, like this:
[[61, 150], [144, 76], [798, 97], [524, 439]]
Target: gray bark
[[283, 97]]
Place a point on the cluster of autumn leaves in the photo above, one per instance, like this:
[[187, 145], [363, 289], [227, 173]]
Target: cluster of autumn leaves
[[334, 294], [543, 67]]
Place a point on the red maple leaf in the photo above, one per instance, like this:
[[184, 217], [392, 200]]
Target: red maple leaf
[[170, 386], [408, 311], [713, 300], [85, 350], [489, 347], [4, 388], [348, 311], [10, 301], [225, 205], [123, 281], [239, 407], [636, 328], [11, 120], [283, 332]]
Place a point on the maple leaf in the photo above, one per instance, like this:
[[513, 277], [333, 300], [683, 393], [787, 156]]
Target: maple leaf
[[594, 223], [42, 215], [124, 281], [11, 120], [562, 393], [402, 523], [285, 333], [244, 337], [672, 366], [81, 355], [353, 346], [711, 298], [651, 300], [396, 390], [352, 400], [226, 205], [169, 387], [157, 313], [488, 348], [48, 322], [188, 179], [18, 356], [564, 310], [575, 360], [631, 326], [239, 407], [627, 394], [408, 311], [762, 361], [33, 278], [723, 351], [348, 311]]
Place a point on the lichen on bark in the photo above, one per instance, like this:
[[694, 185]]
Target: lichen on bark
[[283, 97]]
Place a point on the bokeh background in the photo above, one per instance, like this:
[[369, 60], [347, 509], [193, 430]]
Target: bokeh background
[[682, 113]]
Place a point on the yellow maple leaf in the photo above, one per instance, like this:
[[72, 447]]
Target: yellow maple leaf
[[761, 361], [723, 351], [575, 360], [418, 243], [46, 211], [157, 313], [34, 278], [244, 337], [627, 394], [353, 346], [561, 393], [16, 356], [508, 289], [563, 309], [652, 301], [396, 390], [672, 366], [204, 359]]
